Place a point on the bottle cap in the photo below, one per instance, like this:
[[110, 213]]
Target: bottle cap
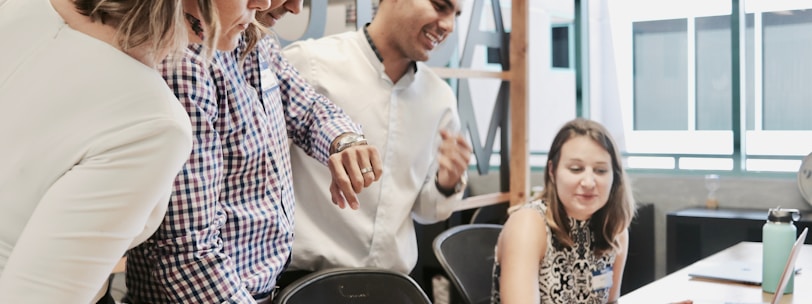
[[783, 215]]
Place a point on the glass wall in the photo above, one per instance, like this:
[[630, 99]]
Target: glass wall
[[674, 82]]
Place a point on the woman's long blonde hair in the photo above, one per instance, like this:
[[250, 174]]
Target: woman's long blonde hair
[[159, 23]]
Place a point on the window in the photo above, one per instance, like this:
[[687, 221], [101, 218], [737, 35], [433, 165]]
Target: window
[[660, 75], [675, 84], [560, 45]]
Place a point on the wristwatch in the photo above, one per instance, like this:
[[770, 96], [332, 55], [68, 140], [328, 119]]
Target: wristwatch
[[347, 140], [457, 187]]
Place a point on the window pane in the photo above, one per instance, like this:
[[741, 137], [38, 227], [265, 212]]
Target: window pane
[[787, 69], [660, 75], [695, 163], [650, 162], [749, 72], [713, 77], [560, 46], [773, 165]]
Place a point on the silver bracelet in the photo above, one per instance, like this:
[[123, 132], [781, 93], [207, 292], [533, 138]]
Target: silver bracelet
[[349, 140]]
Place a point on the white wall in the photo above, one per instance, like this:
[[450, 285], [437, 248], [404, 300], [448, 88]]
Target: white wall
[[551, 91], [292, 27]]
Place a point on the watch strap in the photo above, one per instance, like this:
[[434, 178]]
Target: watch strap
[[349, 140], [458, 187]]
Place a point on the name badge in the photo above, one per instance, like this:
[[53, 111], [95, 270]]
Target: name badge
[[267, 78], [602, 279]]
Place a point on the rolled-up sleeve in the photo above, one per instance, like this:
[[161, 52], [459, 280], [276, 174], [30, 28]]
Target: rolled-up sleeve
[[313, 121], [431, 206]]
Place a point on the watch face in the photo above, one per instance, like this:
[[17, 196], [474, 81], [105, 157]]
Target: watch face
[[805, 178], [346, 140]]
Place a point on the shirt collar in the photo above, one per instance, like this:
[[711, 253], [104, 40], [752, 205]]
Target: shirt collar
[[375, 49]]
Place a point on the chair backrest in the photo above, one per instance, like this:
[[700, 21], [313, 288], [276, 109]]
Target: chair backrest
[[466, 254], [353, 285], [493, 214]]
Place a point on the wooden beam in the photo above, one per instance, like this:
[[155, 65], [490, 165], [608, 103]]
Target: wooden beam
[[519, 153], [474, 202], [468, 73]]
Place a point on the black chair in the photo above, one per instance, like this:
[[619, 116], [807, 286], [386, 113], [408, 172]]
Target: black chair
[[493, 214], [353, 285], [466, 254]]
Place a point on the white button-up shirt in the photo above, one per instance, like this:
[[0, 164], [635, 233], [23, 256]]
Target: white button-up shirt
[[403, 120]]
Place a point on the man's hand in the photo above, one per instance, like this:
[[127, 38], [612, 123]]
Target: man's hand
[[353, 169], [455, 154]]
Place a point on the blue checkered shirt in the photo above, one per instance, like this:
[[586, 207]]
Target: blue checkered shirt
[[229, 228]]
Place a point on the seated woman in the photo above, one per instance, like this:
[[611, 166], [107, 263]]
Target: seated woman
[[569, 245]]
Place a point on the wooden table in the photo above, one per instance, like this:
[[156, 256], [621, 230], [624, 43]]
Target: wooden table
[[679, 286]]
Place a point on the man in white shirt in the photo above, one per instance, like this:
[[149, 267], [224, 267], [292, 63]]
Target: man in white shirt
[[377, 76]]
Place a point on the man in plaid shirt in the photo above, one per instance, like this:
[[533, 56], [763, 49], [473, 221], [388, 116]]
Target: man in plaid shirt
[[228, 231]]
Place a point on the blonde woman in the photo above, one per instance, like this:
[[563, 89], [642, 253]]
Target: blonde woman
[[569, 246], [92, 138]]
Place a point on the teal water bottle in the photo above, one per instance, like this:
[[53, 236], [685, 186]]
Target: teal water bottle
[[778, 236]]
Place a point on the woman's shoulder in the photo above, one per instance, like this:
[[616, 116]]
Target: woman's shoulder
[[535, 205], [189, 64], [531, 214], [524, 231]]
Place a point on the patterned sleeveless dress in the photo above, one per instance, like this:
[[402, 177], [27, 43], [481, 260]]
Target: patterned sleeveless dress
[[566, 274]]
